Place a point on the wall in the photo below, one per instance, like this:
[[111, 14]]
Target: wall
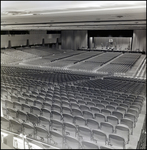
[[35, 37], [139, 40], [73, 39]]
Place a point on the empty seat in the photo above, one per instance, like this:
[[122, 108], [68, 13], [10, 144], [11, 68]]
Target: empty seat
[[26, 108], [46, 113], [17, 105], [12, 112], [121, 109], [56, 125], [123, 131], [94, 109], [84, 133], [22, 115], [132, 117], [76, 112], [99, 117], [41, 134], [105, 102], [30, 102], [119, 115], [136, 107], [89, 145], [116, 141], [38, 104], [66, 109], [28, 130], [35, 110], [33, 119], [87, 114], [74, 105], [84, 107], [114, 103], [90, 104], [79, 120], [22, 100], [81, 102], [92, 124], [133, 111], [105, 112], [99, 136], [110, 107], [72, 143], [100, 106], [15, 126], [43, 121], [66, 104], [113, 120], [56, 139], [106, 127], [70, 129], [96, 101], [9, 104], [14, 98], [56, 115], [5, 123], [56, 108], [68, 118], [124, 105]]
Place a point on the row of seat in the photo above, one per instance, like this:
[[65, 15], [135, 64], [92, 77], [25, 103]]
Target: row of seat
[[77, 134]]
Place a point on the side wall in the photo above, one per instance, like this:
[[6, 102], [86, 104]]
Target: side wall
[[73, 39], [35, 37], [139, 40]]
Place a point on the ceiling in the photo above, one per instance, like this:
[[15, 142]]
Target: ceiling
[[73, 15]]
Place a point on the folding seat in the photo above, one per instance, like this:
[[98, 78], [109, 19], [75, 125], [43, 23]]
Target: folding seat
[[66, 104], [114, 104], [105, 112], [26, 95], [84, 107], [15, 126], [66, 110], [68, 117], [56, 102], [56, 125], [106, 127], [28, 129], [33, 118], [131, 117], [92, 124], [118, 101], [46, 113], [116, 141], [9, 104], [90, 104], [26, 108], [43, 121], [33, 97], [56, 115], [79, 120], [100, 98], [22, 100], [47, 105], [113, 120], [137, 103], [94, 109], [100, 106], [110, 107], [12, 113], [89, 145], [30, 102], [99, 117], [84, 133], [99, 136], [136, 107], [48, 100], [87, 114], [40, 98], [105, 102], [5, 123], [118, 114], [124, 105], [81, 102], [56, 107], [17, 105], [21, 115], [36, 110], [127, 122], [71, 143], [74, 105], [14, 98], [70, 129], [76, 112], [121, 109], [133, 111], [41, 134], [56, 139], [38, 104], [96, 101]]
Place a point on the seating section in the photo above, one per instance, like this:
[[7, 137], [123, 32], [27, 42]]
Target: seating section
[[63, 115], [121, 64]]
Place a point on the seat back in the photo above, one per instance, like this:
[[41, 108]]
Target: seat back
[[89, 145], [56, 125], [15, 126], [46, 113], [106, 127], [56, 115], [70, 129], [43, 121], [100, 117], [113, 120], [5, 124], [67, 118], [79, 120], [92, 124], [87, 114]]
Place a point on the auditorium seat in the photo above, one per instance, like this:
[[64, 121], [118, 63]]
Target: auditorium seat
[[89, 145], [46, 112], [36, 110], [43, 121], [22, 115], [99, 117], [17, 105], [79, 120], [67, 117], [33, 119], [105, 112], [76, 112], [15, 126], [66, 109], [118, 114], [113, 120], [94, 109], [132, 117], [11, 112], [71, 143], [56, 139], [56, 107], [5, 124], [92, 124], [56, 125]]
